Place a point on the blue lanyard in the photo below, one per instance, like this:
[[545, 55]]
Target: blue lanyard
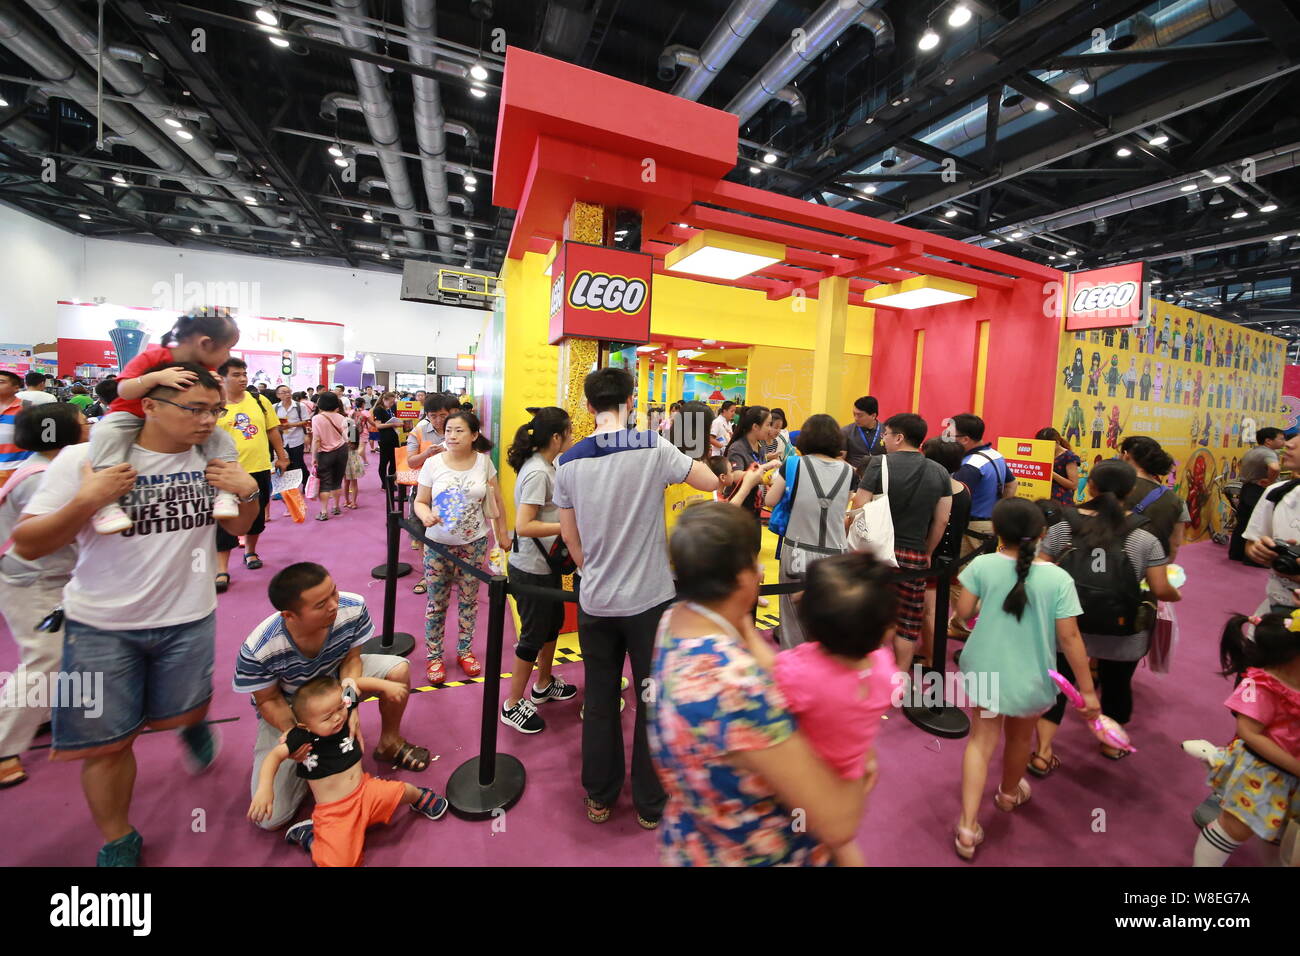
[[874, 436]]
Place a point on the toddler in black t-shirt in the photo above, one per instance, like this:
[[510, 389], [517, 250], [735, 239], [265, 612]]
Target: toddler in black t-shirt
[[348, 800]]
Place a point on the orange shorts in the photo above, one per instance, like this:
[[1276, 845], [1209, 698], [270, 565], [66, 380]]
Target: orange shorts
[[339, 828]]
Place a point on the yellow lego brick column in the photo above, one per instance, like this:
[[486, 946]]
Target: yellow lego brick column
[[642, 394], [828, 350], [671, 391], [584, 223]]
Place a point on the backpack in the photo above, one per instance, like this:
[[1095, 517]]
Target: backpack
[[1109, 588]]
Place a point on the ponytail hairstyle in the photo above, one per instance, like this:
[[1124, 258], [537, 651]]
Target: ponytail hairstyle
[[1258, 642], [219, 327], [481, 444], [1110, 483], [535, 435], [1018, 524]]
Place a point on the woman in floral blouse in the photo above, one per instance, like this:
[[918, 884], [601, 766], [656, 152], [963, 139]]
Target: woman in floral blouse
[[726, 746]]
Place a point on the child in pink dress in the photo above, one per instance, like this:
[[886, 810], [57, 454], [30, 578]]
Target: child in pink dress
[[842, 681]]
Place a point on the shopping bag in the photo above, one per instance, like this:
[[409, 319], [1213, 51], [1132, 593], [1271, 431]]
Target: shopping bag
[[872, 529], [288, 485], [1164, 635], [313, 487]]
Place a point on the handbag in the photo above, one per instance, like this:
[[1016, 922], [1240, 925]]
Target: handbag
[[872, 529], [779, 520], [313, 487], [1164, 635]]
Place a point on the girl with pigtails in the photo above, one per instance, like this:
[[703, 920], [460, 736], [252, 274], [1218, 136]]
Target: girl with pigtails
[[204, 338], [1026, 608]]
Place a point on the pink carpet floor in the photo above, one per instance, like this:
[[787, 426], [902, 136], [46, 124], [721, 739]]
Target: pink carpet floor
[[1091, 812]]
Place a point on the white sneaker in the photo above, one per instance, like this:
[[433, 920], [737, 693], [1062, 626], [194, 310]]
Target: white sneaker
[[110, 519], [1203, 751], [226, 505]]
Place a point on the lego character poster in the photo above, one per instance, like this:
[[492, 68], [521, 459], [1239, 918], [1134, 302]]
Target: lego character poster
[[1198, 385]]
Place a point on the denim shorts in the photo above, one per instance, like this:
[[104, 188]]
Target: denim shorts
[[148, 675]]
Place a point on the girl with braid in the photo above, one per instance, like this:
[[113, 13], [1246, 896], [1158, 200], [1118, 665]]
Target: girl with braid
[[1025, 608]]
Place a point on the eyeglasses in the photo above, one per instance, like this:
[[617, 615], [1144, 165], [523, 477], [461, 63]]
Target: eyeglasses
[[199, 413]]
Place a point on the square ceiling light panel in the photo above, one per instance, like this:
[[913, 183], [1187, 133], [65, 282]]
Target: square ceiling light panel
[[920, 292], [720, 255]]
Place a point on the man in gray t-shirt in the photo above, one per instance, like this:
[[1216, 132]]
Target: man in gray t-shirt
[[609, 488]]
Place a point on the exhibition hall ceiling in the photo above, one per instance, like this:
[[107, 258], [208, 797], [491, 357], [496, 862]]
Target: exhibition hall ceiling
[[363, 131]]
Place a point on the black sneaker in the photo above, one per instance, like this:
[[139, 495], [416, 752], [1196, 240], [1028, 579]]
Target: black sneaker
[[558, 689], [523, 717], [301, 834]]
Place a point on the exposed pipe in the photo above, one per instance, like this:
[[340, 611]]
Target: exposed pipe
[[18, 35], [798, 105], [1169, 26], [28, 136], [381, 120], [460, 129], [79, 33], [466, 204], [820, 30], [430, 121], [371, 182], [678, 54], [732, 30]]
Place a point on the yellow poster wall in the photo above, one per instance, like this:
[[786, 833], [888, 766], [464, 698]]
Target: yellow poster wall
[[1198, 385], [782, 378]]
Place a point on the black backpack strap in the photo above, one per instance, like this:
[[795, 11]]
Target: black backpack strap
[[997, 472], [1277, 494]]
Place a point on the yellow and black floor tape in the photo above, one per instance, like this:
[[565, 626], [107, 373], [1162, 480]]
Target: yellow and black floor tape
[[563, 655]]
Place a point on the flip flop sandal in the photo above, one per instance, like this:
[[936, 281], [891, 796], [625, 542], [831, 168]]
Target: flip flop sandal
[[1119, 755], [420, 588], [252, 561], [406, 757], [223, 585], [1052, 764], [14, 778]]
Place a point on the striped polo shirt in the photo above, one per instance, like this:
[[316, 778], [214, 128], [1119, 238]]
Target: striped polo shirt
[[269, 656], [11, 456]]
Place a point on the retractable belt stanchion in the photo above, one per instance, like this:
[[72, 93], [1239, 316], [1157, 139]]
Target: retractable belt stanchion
[[392, 568], [928, 707], [389, 642]]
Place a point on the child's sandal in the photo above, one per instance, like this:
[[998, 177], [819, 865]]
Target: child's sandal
[[967, 840], [1006, 802]]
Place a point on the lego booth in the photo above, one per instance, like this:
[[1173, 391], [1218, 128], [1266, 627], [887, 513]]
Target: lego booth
[[627, 236]]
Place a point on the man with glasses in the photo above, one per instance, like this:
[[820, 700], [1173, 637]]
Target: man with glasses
[[251, 421], [140, 607]]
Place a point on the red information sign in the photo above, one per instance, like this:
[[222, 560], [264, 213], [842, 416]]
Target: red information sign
[[600, 293], [1105, 298]]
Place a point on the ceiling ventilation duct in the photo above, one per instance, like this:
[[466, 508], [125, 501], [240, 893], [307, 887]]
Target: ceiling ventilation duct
[[703, 66]]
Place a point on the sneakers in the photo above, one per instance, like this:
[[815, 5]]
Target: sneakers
[[523, 717], [469, 664], [226, 505], [430, 805], [557, 689], [201, 743], [124, 851], [301, 834], [110, 519], [1203, 751]]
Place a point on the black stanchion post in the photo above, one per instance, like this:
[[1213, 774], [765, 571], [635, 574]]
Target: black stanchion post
[[939, 718], [388, 641], [491, 782], [396, 507]]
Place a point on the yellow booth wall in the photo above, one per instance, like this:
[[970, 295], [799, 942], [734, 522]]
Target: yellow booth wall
[[1203, 405], [782, 378]]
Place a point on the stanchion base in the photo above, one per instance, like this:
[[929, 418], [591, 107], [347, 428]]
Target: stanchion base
[[381, 571], [470, 800], [949, 722], [402, 645]]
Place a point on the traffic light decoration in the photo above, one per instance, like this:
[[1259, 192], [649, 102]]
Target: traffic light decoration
[[286, 363]]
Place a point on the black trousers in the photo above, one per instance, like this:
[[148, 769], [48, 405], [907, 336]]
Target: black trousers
[[387, 464], [296, 461], [606, 641], [1250, 495], [1114, 684]]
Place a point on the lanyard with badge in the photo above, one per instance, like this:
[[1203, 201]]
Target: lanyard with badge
[[875, 436]]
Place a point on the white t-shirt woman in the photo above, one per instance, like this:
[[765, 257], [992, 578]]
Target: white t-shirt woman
[[462, 494]]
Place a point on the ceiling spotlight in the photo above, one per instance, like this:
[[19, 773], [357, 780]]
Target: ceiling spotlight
[[251, 200], [960, 16], [267, 16], [196, 230], [951, 214], [1041, 106], [1216, 199], [336, 150], [82, 215], [1220, 179], [1052, 258], [281, 42], [1268, 207], [386, 255], [869, 188], [3, 102], [119, 179], [469, 233], [929, 40], [1123, 151], [1079, 86], [1017, 234], [173, 123], [754, 170], [1240, 214], [1190, 187], [1071, 252], [1159, 139], [478, 91], [184, 135], [950, 81], [367, 217], [470, 187], [295, 243], [769, 158], [470, 179], [1279, 238], [1157, 280], [478, 72], [341, 162]]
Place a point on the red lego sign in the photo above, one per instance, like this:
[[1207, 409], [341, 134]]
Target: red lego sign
[[600, 293], [1106, 298]]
